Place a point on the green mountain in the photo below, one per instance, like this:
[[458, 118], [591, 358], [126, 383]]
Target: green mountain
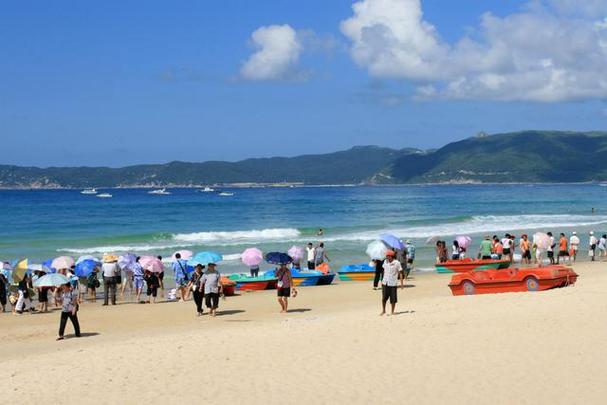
[[529, 156], [353, 166]]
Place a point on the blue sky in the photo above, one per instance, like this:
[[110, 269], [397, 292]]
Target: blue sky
[[125, 82]]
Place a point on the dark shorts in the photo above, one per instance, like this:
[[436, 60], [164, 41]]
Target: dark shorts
[[563, 253], [161, 275], [153, 291], [284, 292], [506, 252], [550, 254], [212, 300], [527, 254], [311, 266], [486, 258], [389, 293], [454, 257], [410, 261], [43, 295]]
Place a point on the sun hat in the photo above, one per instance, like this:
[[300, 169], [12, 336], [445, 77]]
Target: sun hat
[[107, 258]]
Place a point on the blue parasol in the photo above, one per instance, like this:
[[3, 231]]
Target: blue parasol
[[86, 267], [51, 280], [392, 241], [278, 258], [205, 258]]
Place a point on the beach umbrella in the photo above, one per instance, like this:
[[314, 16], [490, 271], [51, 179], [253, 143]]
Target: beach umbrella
[[126, 261], [51, 280], [62, 262], [392, 241], [278, 258], [87, 257], [85, 268], [152, 264], [185, 254], [252, 257], [541, 240], [20, 270], [37, 267], [204, 258], [464, 241], [296, 252], [377, 250], [48, 265]]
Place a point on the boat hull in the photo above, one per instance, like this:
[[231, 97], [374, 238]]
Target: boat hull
[[356, 276], [464, 266], [307, 281], [326, 279], [252, 285], [512, 280]]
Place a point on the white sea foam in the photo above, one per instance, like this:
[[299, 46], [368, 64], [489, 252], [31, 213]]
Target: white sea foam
[[238, 237], [471, 226]]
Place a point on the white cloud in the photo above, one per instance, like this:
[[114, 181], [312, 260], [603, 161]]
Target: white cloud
[[277, 54], [542, 53]]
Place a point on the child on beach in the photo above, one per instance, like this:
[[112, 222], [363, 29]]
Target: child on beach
[[285, 282], [389, 283], [212, 288], [152, 282]]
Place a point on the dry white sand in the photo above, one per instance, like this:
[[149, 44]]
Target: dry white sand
[[547, 347]]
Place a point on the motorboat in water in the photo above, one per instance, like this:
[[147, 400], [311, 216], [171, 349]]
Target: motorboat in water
[[160, 191], [225, 194], [89, 191], [207, 190]]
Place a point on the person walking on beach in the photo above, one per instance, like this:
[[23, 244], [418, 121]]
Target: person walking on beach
[[24, 295], [92, 283], [211, 280], [592, 242], [285, 281], [152, 283], [563, 250], [181, 276], [485, 249], [138, 280], [109, 269], [525, 247], [389, 283], [310, 252], [378, 264], [3, 289], [550, 250], [320, 255], [197, 288], [574, 245], [410, 257], [69, 310]]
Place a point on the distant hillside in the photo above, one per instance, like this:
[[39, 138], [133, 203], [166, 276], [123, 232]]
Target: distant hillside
[[529, 156], [353, 166]]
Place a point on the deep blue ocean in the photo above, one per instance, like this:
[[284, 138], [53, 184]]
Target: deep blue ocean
[[42, 224]]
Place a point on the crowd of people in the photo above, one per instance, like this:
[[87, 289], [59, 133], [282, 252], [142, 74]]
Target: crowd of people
[[556, 249]]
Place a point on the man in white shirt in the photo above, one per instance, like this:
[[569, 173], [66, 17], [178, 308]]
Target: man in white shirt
[[592, 241], [110, 269], [389, 282], [574, 243], [311, 253]]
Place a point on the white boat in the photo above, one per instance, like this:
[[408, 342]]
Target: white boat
[[104, 195], [224, 194], [160, 191], [207, 190], [89, 191]]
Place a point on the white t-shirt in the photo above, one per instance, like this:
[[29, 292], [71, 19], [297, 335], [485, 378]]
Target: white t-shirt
[[310, 254], [391, 273], [110, 269], [507, 243], [592, 241], [574, 241], [602, 243], [551, 244]]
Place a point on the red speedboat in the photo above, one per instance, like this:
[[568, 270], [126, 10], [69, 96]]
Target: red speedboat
[[512, 280], [466, 265]]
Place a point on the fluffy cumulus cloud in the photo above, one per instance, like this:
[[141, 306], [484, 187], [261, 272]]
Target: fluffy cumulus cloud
[[549, 51], [278, 49]]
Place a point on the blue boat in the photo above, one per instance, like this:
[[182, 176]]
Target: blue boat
[[303, 278]]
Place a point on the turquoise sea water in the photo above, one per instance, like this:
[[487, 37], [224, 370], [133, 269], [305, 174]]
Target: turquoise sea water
[[45, 224]]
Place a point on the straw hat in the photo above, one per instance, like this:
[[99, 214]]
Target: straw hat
[[107, 258]]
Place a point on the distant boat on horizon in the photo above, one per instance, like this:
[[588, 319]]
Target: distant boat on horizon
[[89, 191], [207, 190], [226, 194], [104, 195], [160, 191]]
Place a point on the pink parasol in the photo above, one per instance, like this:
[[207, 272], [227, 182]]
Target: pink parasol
[[296, 252], [152, 264], [185, 254], [62, 262], [464, 241], [541, 240], [252, 257]]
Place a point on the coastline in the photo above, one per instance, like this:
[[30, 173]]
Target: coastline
[[506, 348]]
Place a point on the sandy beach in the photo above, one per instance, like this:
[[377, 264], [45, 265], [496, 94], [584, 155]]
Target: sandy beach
[[546, 347]]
